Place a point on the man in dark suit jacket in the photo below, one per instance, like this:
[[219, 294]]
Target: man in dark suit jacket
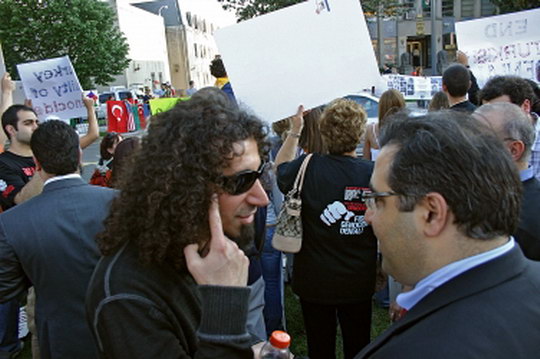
[[49, 242], [444, 229], [516, 132]]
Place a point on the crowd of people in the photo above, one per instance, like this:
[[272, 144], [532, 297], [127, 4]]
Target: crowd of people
[[168, 253]]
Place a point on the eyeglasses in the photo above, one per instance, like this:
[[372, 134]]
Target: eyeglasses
[[242, 181], [370, 198]]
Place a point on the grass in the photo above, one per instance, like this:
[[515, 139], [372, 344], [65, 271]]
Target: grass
[[295, 326]]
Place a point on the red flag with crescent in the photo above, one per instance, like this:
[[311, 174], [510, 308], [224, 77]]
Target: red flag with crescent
[[117, 117]]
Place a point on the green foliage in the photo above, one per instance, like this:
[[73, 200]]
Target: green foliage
[[83, 29], [247, 9], [506, 6]]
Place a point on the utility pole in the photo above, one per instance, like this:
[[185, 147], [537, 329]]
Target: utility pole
[[380, 36], [433, 38]]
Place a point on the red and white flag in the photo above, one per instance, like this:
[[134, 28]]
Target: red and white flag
[[117, 117]]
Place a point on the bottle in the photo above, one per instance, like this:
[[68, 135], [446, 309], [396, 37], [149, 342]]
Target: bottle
[[277, 347]]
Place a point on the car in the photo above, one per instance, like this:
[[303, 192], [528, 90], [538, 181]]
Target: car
[[117, 95], [369, 102]]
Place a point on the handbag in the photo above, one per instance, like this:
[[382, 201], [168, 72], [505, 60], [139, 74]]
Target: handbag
[[288, 234]]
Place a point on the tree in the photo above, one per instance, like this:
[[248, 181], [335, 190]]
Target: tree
[[86, 30], [506, 6], [246, 9]]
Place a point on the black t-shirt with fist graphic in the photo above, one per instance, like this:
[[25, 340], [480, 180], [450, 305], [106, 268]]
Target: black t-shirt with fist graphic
[[337, 262]]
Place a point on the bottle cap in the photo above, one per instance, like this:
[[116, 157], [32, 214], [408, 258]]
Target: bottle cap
[[280, 339]]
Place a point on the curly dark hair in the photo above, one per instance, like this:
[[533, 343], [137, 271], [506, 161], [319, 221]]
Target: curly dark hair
[[164, 197], [516, 88]]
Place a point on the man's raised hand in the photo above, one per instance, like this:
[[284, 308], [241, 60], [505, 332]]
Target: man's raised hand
[[225, 264]]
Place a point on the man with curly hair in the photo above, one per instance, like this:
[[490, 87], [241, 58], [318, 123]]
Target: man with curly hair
[[172, 283]]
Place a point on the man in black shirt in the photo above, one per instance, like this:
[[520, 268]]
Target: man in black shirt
[[456, 81], [17, 180]]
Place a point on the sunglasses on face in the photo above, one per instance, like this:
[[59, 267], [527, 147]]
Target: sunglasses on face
[[241, 182]]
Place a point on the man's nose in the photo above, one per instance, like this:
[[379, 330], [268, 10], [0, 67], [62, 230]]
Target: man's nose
[[368, 215], [257, 195]]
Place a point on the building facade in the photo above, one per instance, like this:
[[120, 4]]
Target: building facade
[[189, 32], [406, 38], [145, 34]]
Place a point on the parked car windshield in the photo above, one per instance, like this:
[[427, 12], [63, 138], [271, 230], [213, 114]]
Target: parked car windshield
[[371, 106]]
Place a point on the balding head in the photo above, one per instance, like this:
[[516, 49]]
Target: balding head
[[512, 126]]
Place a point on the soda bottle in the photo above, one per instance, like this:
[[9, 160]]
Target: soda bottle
[[277, 347]]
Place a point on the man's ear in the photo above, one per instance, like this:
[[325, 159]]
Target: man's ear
[[38, 165], [434, 215], [526, 106], [516, 149], [11, 131], [444, 88]]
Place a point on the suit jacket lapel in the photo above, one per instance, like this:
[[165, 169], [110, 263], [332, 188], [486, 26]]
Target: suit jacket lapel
[[475, 280]]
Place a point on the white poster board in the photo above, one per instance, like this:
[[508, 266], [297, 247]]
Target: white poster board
[[53, 87], [2, 69], [502, 45], [414, 87], [309, 53]]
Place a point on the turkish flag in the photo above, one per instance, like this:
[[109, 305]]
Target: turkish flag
[[142, 117], [117, 117]]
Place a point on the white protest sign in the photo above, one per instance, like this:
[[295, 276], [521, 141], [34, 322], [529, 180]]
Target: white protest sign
[[2, 69], [53, 87], [414, 87], [502, 45], [309, 53]]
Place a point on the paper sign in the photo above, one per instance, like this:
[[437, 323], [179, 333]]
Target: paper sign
[[159, 105], [309, 53], [53, 87], [414, 87], [502, 45]]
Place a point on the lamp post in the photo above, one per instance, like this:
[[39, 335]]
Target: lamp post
[[161, 8]]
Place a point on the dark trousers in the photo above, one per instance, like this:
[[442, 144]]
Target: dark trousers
[[9, 328], [320, 321]]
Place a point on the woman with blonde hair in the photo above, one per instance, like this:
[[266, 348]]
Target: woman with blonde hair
[[391, 101], [334, 272], [438, 102]]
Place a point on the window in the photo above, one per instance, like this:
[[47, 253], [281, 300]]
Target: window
[[188, 18], [448, 7], [467, 8], [196, 52], [487, 8]]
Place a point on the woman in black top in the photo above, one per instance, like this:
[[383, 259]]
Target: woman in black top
[[334, 272]]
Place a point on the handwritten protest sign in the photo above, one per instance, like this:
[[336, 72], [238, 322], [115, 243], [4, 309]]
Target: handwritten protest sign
[[502, 45], [309, 53], [53, 87], [414, 87]]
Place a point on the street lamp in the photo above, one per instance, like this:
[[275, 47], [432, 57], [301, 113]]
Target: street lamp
[[161, 8]]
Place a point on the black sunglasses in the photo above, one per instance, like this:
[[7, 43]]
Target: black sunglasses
[[242, 181]]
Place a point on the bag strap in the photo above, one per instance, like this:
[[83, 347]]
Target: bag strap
[[299, 180]]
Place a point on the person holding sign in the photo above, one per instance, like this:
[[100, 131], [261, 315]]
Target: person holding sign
[[334, 272], [7, 88]]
